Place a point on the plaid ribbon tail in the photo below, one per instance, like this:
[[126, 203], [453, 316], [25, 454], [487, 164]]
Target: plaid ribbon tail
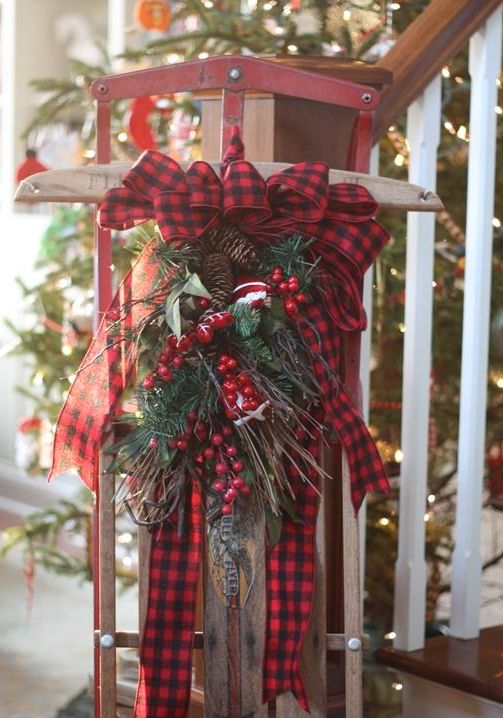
[[93, 397], [168, 638], [365, 464], [290, 589]]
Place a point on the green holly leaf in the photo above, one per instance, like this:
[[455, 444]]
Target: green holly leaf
[[194, 286], [273, 525], [174, 318]]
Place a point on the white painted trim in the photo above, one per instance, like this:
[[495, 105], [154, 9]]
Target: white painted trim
[[484, 66], [423, 130]]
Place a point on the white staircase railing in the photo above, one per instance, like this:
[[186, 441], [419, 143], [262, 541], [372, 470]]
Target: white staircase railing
[[424, 119]]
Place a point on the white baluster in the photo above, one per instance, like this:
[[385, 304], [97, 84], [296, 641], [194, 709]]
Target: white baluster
[[116, 29], [423, 131], [484, 65]]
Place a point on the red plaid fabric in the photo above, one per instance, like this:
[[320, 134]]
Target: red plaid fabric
[[168, 640], [290, 577], [185, 205]]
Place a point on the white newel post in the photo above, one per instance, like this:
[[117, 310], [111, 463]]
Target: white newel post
[[484, 66], [423, 132]]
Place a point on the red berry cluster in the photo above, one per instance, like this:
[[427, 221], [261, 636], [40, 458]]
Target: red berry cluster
[[237, 383], [288, 288], [171, 355], [229, 484]]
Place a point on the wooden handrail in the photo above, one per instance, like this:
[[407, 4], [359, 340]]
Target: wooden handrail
[[419, 54]]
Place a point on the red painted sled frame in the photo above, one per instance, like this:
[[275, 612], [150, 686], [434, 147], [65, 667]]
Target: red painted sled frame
[[234, 75]]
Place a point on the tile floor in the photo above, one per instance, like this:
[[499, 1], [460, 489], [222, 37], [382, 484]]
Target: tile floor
[[46, 659]]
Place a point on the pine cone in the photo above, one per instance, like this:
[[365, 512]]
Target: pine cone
[[218, 279], [230, 241], [199, 251]]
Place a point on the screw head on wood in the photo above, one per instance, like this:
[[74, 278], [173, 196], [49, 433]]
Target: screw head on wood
[[366, 97], [102, 89], [107, 640], [354, 644], [235, 74]]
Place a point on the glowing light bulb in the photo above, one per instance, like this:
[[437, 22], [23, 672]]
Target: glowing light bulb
[[122, 136], [398, 456], [383, 521]]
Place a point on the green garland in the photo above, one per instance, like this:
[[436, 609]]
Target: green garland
[[224, 397]]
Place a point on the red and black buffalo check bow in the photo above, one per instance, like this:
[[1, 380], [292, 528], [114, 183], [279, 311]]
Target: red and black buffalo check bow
[[185, 206]]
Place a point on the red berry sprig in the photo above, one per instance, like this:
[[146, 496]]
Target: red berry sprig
[[238, 389], [288, 288], [229, 484], [171, 356]]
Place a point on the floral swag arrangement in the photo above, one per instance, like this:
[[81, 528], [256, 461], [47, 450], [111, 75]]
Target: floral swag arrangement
[[232, 323]]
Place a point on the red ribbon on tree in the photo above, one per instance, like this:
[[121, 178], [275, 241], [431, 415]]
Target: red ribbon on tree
[[185, 206]]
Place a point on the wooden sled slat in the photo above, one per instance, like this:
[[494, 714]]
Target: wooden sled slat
[[89, 184]]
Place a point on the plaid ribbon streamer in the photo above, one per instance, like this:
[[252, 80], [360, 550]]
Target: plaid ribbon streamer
[[290, 580], [186, 205], [168, 639]]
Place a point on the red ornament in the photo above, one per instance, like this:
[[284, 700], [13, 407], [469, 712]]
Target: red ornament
[[249, 290], [165, 372], [293, 284], [220, 320], [217, 439], [182, 444], [231, 364], [153, 442], [152, 14], [238, 482], [204, 333], [138, 123], [231, 451], [218, 485], [283, 287], [220, 467], [202, 303], [237, 466], [290, 307], [29, 166], [178, 362], [226, 510], [192, 416], [245, 490], [230, 385], [300, 298], [185, 342], [230, 495], [148, 382], [227, 431], [231, 398], [209, 453]]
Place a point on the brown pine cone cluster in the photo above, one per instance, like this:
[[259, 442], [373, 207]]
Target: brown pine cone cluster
[[219, 256]]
